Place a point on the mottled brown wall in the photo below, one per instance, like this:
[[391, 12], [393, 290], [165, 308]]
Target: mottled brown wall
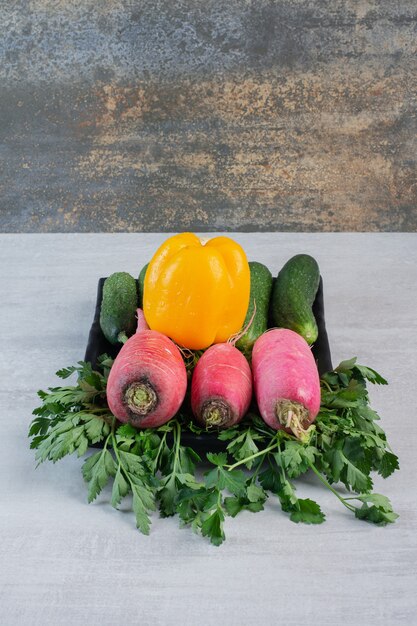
[[208, 115]]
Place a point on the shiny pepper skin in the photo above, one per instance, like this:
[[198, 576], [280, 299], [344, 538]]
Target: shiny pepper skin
[[197, 293]]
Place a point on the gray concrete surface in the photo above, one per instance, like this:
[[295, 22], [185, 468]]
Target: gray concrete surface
[[262, 115], [65, 562]]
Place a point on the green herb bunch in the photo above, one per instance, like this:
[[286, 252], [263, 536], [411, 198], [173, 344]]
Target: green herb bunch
[[160, 472]]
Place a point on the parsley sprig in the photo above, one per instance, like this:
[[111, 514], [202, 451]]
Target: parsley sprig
[[157, 471]]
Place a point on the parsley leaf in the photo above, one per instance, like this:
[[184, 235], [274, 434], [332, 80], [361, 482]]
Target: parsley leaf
[[121, 488], [243, 444], [66, 372], [253, 500], [213, 527], [388, 464], [177, 468], [219, 459], [308, 512], [295, 457], [371, 375], [232, 480], [346, 366], [97, 470], [376, 509], [143, 502], [192, 505], [133, 474], [270, 479], [353, 475], [68, 433]]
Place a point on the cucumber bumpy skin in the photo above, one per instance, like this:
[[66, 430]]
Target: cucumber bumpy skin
[[293, 295], [260, 293], [118, 307]]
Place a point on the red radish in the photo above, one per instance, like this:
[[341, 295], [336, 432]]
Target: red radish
[[221, 386], [148, 380], [286, 381], [142, 323]]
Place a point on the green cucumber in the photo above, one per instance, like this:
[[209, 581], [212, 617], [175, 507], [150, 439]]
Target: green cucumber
[[260, 292], [141, 283], [293, 295], [118, 307]]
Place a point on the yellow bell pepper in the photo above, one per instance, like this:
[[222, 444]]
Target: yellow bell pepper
[[197, 293]]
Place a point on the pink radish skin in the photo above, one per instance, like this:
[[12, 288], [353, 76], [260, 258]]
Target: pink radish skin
[[286, 381], [221, 387], [142, 323], [148, 380]]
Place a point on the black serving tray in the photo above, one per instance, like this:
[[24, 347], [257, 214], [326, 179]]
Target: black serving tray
[[98, 344]]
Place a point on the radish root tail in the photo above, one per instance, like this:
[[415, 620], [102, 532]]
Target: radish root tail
[[293, 415], [185, 352], [233, 339]]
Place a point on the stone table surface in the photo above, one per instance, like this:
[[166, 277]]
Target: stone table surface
[[63, 561]]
